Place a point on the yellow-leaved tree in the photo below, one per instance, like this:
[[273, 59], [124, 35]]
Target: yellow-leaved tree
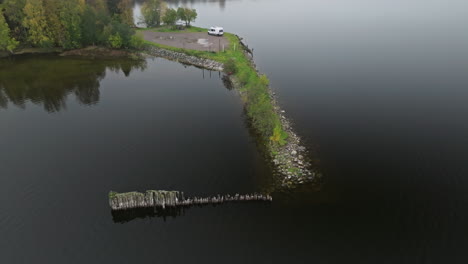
[[36, 23]]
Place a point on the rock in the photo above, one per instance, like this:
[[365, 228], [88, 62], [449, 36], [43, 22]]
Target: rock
[[293, 152], [187, 59]]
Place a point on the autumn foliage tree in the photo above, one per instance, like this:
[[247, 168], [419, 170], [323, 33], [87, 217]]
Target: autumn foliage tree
[[35, 22]]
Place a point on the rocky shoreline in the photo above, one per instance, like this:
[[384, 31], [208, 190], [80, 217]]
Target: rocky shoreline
[[290, 161], [184, 58]]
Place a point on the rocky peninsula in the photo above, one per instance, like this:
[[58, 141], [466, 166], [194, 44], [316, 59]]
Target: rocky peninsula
[[290, 159]]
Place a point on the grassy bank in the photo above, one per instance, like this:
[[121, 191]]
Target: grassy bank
[[254, 87]]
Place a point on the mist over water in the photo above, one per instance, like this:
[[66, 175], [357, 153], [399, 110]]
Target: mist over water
[[377, 89]]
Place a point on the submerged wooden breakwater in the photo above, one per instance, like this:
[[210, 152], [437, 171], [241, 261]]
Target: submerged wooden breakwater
[[163, 199]]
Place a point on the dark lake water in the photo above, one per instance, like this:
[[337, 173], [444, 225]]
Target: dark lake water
[[378, 90]]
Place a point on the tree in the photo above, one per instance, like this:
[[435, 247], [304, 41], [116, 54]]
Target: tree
[[100, 6], [153, 11], [36, 23], [94, 19], [54, 24], [126, 12], [117, 32], [115, 41], [70, 15], [113, 7], [170, 17], [89, 27], [187, 15], [6, 41], [14, 16]]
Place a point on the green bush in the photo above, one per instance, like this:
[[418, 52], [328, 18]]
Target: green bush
[[230, 66], [137, 42], [115, 41]]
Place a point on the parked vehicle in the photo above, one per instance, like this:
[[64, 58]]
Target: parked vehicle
[[217, 31]]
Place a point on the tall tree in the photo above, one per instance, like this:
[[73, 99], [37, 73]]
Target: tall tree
[[14, 16], [95, 18], [170, 17], [36, 23], [153, 11], [187, 15], [70, 15], [90, 29], [55, 26], [126, 12], [6, 41], [113, 7]]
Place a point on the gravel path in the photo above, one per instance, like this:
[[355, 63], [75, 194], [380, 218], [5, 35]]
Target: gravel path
[[186, 40]]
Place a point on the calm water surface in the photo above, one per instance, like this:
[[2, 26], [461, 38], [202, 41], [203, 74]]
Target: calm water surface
[[377, 88]]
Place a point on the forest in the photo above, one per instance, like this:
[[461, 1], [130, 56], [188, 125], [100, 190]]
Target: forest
[[68, 24]]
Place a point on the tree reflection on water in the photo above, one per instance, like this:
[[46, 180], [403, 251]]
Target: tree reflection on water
[[48, 80]]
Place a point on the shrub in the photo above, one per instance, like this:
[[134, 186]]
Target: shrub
[[279, 135], [230, 66], [136, 42], [115, 41], [264, 80]]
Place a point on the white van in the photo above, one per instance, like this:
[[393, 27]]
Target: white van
[[217, 31]]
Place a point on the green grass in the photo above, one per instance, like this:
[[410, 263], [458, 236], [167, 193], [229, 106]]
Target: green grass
[[112, 194], [254, 87]]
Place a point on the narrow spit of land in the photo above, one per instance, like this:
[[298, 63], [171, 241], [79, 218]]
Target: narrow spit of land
[[194, 46]]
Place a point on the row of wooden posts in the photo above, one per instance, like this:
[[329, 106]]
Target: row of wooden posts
[[163, 199]]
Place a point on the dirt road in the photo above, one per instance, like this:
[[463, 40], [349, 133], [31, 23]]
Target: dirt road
[[187, 40]]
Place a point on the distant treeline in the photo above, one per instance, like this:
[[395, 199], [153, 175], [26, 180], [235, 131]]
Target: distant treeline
[[66, 23]]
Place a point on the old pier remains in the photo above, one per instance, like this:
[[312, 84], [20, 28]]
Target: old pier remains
[[171, 199]]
